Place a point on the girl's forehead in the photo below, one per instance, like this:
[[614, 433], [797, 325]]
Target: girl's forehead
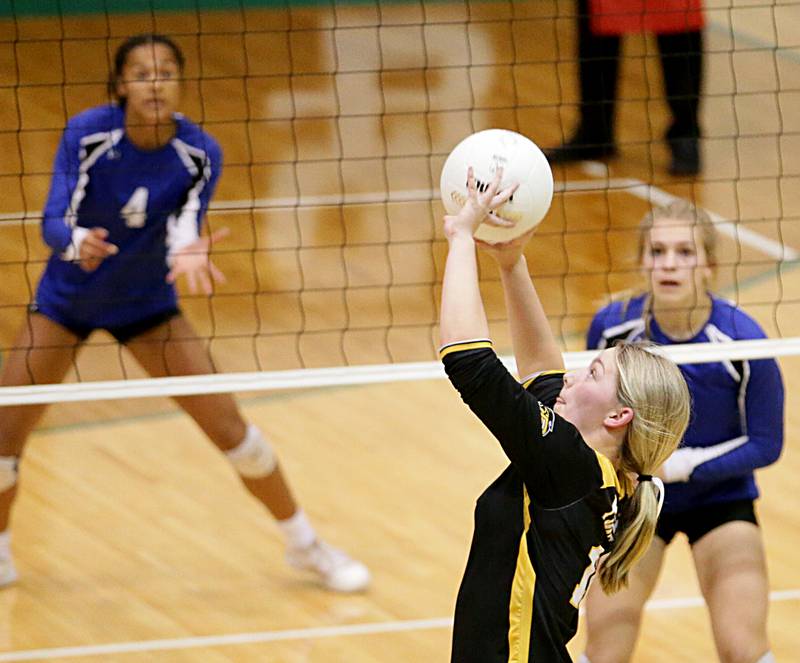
[[609, 356], [675, 230], [147, 54]]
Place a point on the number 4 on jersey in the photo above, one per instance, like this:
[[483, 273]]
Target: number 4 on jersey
[[135, 210]]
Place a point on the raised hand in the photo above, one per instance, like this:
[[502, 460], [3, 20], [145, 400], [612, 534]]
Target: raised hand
[[193, 261], [479, 205]]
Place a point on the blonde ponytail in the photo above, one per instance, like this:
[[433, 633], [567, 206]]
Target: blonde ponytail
[[654, 388], [637, 526]]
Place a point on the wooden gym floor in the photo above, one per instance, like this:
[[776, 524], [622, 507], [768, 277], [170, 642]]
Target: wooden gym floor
[[133, 538]]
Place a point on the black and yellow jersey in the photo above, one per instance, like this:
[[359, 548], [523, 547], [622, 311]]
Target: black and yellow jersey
[[540, 528]]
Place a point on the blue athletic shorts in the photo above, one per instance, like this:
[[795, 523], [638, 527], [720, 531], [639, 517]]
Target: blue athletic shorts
[[123, 333], [700, 521]]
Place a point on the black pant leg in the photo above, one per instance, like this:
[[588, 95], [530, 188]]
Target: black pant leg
[[682, 64], [598, 68]]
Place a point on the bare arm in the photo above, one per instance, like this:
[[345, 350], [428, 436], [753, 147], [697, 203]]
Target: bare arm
[[462, 314], [535, 348]]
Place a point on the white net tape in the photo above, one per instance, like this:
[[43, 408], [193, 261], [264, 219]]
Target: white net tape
[[692, 353]]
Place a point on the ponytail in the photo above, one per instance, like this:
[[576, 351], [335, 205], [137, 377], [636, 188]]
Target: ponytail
[[635, 531], [654, 388]]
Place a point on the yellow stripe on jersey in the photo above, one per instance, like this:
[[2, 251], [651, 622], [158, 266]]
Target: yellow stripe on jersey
[[528, 382], [520, 607], [610, 479], [463, 345]]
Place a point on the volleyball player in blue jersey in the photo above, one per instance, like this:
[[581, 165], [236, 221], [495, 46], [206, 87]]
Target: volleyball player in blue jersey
[[131, 185], [736, 428]]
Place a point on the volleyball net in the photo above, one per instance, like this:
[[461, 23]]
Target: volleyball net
[[335, 120]]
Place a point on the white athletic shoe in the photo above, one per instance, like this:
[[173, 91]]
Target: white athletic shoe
[[337, 570], [8, 572]]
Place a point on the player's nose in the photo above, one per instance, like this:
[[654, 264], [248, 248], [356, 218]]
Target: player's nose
[[669, 260]]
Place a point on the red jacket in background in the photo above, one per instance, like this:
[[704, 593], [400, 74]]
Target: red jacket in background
[[618, 17]]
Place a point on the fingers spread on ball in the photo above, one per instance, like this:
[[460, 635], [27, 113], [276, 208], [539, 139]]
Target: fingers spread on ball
[[494, 218]]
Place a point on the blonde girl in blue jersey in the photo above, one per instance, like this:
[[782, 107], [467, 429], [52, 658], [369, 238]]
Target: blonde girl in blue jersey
[[736, 427], [131, 184]]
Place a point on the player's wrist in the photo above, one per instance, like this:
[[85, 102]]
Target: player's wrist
[[72, 252], [510, 265], [455, 227], [460, 235]]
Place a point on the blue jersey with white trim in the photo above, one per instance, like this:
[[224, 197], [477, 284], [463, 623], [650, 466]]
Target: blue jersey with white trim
[[737, 406], [151, 203]]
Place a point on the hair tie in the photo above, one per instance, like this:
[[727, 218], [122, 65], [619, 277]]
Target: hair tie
[[659, 485]]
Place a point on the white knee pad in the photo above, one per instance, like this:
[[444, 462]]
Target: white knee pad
[[254, 458], [8, 472]]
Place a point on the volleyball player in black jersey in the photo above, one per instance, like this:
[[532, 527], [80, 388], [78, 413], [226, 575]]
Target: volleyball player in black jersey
[[579, 497]]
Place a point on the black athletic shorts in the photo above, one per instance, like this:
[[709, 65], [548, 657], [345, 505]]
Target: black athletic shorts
[[700, 521], [123, 333]]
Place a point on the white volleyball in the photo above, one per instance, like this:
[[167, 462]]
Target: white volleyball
[[522, 162]]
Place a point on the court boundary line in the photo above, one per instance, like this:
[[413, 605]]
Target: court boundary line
[[655, 195], [255, 637]]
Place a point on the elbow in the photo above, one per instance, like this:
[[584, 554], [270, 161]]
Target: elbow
[[53, 243], [55, 234], [51, 239], [774, 454], [770, 453]]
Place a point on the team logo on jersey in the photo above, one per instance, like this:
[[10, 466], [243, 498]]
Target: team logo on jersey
[[610, 520], [548, 419]]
